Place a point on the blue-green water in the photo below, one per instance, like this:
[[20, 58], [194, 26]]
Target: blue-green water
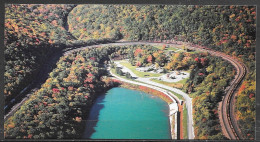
[[128, 114]]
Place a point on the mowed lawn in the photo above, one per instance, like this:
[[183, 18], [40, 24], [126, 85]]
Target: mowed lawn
[[185, 122], [138, 73], [178, 84]]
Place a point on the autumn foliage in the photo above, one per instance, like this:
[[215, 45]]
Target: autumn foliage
[[32, 32], [59, 106], [246, 108]]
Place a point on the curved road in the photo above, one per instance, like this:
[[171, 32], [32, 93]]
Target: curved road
[[241, 71]]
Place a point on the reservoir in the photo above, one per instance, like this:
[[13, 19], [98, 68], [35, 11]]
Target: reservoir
[[122, 113]]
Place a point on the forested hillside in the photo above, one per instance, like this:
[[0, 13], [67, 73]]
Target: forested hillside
[[227, 28], [230, 29], [32, 33], [58, 108]]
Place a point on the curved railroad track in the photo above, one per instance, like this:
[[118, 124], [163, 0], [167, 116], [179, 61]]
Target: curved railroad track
[[227, 117], [226, 107]]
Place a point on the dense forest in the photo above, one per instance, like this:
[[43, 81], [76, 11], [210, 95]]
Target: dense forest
[[34, 32], [207, 82]]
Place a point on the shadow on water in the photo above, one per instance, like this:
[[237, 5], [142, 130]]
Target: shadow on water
[[93, 117]]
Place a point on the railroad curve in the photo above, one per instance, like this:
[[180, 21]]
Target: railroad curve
[[226, 121], [227, 118]]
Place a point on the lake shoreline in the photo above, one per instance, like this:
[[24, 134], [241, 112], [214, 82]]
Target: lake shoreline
[[171, 118]]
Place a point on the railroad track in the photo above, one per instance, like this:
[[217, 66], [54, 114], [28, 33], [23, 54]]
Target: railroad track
[[226, 106]]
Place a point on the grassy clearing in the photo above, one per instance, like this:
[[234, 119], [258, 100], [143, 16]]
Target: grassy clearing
[[185, 122], [178, 84], [177, 95], [138, 73], [172, 48], [183, 81]]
